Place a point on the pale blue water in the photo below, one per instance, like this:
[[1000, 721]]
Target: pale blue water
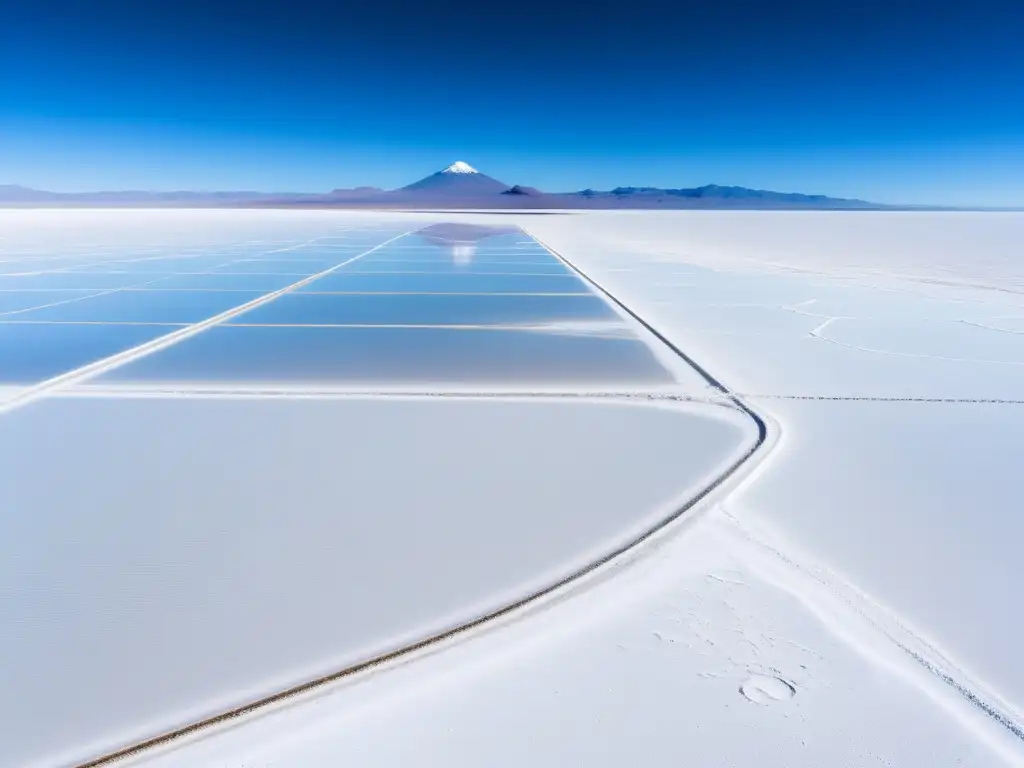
[[416, 280]]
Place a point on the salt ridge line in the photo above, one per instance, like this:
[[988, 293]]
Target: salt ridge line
[[101, 366], [883, 399]]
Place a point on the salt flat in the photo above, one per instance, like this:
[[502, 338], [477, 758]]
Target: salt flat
[[914, 503], [834, 602]]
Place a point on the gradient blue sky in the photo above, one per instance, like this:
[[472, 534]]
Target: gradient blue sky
[[915, 102]]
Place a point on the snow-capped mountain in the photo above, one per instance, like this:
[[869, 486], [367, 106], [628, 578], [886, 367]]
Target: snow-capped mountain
[[457, 180], [460, 167]]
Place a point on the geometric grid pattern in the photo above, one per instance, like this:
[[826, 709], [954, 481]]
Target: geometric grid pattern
[[444, 305]]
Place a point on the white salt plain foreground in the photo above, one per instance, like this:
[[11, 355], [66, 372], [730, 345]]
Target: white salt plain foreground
[[254, 544], [847, 598]]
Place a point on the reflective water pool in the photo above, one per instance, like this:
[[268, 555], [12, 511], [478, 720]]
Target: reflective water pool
[[450, 303]]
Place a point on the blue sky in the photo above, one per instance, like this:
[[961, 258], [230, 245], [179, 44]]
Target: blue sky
[[917, 103]]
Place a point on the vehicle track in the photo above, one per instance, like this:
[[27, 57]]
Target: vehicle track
[[730, 400]]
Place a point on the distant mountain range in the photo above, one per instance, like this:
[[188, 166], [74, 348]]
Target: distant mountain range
[[12, 194], [459, 186]]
